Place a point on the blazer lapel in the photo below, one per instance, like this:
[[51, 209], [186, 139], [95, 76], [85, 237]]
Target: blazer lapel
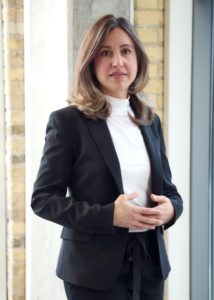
[[153, 149], [101, 136]]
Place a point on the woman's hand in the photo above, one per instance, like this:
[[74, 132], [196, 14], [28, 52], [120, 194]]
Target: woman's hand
[[131, 216], [165, 208]]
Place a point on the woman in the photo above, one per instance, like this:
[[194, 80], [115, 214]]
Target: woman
[[107, 149]]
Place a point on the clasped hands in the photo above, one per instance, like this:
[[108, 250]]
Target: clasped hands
[[131, 216]]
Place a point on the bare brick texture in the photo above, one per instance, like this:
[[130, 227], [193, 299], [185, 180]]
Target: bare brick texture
[[149, 22], [13, 47]]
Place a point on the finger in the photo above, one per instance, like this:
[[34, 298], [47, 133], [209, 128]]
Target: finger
[[145, 227], [151, 220], [151, 224], [131, 196], [150, 211], [157, 198], [140, 225]]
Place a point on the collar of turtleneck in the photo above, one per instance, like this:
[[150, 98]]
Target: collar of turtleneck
[[118, 106]]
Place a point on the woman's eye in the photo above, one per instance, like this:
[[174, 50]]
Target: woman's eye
[[126, 51], [105, 53]]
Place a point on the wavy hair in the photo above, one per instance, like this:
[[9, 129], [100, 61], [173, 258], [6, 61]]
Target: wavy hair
[[86, 95]]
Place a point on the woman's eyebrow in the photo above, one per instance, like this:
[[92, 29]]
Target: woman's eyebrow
[[105, 46], [126, 45], [123, 45]]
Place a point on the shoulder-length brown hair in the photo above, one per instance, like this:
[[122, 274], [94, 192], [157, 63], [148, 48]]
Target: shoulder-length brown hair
[[86, 95]]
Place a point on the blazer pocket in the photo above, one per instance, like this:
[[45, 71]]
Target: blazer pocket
[[73, 235]]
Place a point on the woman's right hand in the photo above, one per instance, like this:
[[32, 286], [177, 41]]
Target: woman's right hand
[[129, 215]]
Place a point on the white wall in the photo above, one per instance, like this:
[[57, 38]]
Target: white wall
[[177, 130], [46, 90]]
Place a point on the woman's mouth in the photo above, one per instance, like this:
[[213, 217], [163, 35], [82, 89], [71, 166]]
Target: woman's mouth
[[118, 75]]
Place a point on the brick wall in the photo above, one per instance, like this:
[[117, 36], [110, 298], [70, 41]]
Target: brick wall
[[13, 45], [149, 21]]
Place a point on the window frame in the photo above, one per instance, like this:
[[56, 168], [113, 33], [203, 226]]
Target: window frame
[[202, 144]]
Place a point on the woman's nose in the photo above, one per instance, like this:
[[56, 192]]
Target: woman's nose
[[117, 60]]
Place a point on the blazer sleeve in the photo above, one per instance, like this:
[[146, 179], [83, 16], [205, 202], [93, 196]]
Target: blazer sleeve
[[169, 189], [49, 199]]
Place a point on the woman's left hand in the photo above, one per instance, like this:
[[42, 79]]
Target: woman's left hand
[[165, 208]]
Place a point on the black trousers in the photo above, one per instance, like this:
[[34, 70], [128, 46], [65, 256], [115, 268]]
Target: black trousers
[[139, 279]]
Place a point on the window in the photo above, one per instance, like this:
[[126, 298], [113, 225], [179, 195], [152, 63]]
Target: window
[[202, 208]]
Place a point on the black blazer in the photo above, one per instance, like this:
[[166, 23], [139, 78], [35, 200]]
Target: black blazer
[[79, 156]]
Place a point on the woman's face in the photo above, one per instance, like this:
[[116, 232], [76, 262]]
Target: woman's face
[[116, 64]]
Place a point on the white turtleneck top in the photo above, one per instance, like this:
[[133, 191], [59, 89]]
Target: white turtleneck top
[[131, 151]]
